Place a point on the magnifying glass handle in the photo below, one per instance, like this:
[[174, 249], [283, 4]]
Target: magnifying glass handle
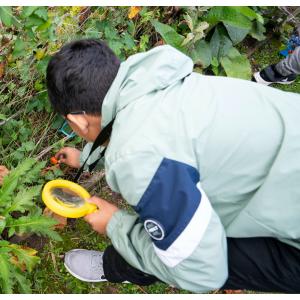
[[92, 208]]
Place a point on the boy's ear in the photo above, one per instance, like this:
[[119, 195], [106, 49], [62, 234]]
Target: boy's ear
[[80, 121]]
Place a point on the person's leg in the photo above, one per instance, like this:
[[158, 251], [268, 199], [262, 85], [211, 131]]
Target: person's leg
[[258, 264], [289, 65], [96, 266], [263, 264], [116, 269]]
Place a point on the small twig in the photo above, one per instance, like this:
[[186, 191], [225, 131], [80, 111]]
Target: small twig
[[53, 257], [49, 148], [11, 117], [143, 291]]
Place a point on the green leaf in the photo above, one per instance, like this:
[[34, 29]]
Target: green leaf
[[24, 284], [220, 43], [24, 199], [236, 64], [33, 21], [128, 41], [19, 47], [228, 15], [236, 34], [2, 224], [10, 181], [201, 54], [37, 224], [28, 11], [25, 255], [42, 13], [246, 11], [6, 15], [169, 35], [5, 280], [258, 30]]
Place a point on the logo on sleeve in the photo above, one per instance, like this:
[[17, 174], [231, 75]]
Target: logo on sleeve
[[154, 229]]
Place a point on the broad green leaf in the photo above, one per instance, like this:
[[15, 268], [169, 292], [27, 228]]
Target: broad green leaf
[[236, 64], [201, 54], [128, 40], [257, 31], [19, 48], [228, 15], [6, 15], [33, 21], [169, 35], [236, 34], [116, 46], [5, 266], [28, 11], [42, 13], [246, 11], [220, 43]]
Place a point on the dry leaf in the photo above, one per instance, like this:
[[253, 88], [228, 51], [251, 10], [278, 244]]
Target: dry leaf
[[133, 11], [62, 221], [2, 69]]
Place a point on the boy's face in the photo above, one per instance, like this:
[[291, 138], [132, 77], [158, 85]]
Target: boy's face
[[85, 125]]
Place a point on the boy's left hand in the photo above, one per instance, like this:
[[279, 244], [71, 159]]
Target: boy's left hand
[[99, 219]]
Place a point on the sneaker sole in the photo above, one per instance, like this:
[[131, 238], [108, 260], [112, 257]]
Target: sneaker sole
[[259, 79], [81, 278]]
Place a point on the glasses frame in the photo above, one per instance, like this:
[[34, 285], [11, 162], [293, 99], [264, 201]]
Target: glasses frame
[[65, 124]]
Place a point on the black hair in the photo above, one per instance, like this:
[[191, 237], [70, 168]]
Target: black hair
[[79, 76]]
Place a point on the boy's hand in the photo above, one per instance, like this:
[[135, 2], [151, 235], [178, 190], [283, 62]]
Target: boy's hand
[[69, 156], [99, 219], [3, 172]]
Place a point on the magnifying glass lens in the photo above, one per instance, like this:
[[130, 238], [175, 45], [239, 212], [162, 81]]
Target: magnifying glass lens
[[67, 197]]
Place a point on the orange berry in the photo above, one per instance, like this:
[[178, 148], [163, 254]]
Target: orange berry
[[53, 160]]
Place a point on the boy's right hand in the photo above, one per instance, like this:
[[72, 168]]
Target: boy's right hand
[[69, 156]]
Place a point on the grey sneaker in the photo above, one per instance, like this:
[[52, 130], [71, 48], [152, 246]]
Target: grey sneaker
[[270, 75], [86, 265]]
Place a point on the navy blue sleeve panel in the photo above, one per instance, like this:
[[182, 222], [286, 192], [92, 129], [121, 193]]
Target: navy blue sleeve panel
[[169, 202]]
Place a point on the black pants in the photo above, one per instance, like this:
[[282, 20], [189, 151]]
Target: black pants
[[257, 264]]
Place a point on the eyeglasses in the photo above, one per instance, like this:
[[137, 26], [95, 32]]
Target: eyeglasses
[[66, 129]]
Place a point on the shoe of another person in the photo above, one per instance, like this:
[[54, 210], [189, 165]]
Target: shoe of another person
[[269, 75], [86, 265]]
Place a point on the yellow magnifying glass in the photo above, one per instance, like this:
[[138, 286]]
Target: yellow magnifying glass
[[67, 199]]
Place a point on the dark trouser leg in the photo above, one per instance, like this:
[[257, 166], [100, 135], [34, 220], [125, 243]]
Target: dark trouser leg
[[258, 264], [263, 264], [116, 269]]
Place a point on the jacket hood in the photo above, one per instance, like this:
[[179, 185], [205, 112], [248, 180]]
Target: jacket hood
[[142, 74]]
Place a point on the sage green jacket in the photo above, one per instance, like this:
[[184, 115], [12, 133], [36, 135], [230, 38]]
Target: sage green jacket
[[198, 158]]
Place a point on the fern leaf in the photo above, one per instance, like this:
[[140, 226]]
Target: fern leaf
[[2, 224], [24, 284], [37, 224], [34, 173], [25, 255], [23, 200], [5, 276], [10, 181]]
